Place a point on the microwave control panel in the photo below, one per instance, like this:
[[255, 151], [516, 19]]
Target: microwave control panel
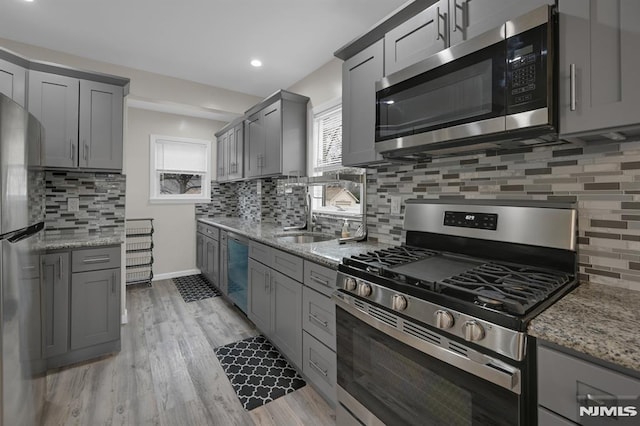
[[527, 70]]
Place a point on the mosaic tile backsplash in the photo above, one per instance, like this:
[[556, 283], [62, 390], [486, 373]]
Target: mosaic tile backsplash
[[603, 180], [101, 198]]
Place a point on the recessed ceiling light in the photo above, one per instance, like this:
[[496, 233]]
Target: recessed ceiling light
[[256, 63], [29, 1]]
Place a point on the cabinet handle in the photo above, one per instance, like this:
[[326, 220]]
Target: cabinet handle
[[60, 267], [324, 324], [319, 281], [113, 283], [325, 373], [438, 22], [572, 87], [463, 9], [86, 151], [71, 149], [96, 260], [444, 18], [266, 282]]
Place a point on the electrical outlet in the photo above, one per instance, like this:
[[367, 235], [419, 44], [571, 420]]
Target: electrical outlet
[[259, 187], [395, 204], [288, 203], [73, 204]]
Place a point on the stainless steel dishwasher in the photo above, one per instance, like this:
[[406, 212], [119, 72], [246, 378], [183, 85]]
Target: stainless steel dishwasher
[[237, 269]]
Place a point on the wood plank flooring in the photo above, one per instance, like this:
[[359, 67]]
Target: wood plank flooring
[[167, 373]]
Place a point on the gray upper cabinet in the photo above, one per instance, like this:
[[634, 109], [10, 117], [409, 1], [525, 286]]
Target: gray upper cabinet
[[100, 126], [359, 75], [55, 302], [417, 38], [53, 100], [275, 136], [230, 141], [95, 307], [82, 121], [286, 316], [13, 81], [598, 65]]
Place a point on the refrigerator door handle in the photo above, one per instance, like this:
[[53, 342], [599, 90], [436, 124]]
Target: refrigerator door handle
[[21, 234]]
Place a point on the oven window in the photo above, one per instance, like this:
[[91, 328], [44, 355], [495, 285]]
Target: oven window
[[401, 385], [465, 90]]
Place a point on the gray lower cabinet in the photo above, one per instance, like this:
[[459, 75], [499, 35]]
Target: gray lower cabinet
[[13, 81], [223, 284], [598, 65], [55, 302], [567, 382], [275, 298], [359, 76], [82, 120], [95, 307], [319, 365], [275, 136], [80, 304], [212, 249], [208, 252], [200, 252]]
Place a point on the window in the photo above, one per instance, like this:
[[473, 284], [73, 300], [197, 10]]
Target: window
[[340, 198], [180, 170]]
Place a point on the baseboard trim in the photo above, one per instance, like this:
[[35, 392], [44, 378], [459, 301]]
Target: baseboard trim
[[170, 275]]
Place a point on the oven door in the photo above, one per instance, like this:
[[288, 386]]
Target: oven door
[[457, 93], [388, 376]]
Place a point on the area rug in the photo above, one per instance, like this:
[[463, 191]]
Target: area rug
[[195, 287], [257, 371]]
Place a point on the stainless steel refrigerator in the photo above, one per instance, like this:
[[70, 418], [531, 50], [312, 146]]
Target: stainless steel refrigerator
[[21, 218]]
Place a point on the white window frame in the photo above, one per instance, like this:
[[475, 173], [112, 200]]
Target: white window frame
[[155, 197], [316, 201]]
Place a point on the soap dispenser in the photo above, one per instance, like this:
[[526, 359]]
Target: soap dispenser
[[345, 229]]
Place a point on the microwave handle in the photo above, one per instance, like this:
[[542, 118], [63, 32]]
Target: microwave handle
[[572, 87]]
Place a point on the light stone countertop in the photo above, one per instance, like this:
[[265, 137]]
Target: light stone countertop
[[327, 253], [597, 320], [61, 242]]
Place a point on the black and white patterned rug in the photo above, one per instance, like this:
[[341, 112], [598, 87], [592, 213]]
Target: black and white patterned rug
[[257, 371], [195, 287]]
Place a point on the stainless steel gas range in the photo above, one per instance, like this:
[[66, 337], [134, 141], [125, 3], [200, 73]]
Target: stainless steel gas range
[[434, 332]]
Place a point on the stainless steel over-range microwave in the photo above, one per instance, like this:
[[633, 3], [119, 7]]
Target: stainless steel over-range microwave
[[497, 89]]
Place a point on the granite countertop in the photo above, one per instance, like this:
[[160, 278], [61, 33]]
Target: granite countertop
[[60, 242], [597, 320], [327, 253]]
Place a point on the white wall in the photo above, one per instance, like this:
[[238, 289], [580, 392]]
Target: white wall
[[322, 85], [174, 224]]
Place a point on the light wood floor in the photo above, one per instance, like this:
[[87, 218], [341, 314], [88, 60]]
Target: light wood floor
[[167, 373]]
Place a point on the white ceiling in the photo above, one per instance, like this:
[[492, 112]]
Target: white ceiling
[[207, 41]]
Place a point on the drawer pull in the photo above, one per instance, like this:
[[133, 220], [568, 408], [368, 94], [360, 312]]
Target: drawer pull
[[595, 399], [96, 260], [324, 324], [60, 267], [319, 281], [315, 366]]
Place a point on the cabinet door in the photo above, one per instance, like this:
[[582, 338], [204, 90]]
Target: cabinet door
[[13, 81], [600, 39], [55, 303], [200, 252], [235, 145], [223, 284], [286, 316], [54, 100], [359, 75], [213, 260], [100, 125], [259, 296], [95, 307], [272, 127], [470, 18], [223, 158], [254, 145], [417, 38]]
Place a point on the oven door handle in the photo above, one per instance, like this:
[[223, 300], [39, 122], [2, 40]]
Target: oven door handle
[[483, 366]]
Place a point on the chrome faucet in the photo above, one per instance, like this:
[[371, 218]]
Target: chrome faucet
[[308, 214]]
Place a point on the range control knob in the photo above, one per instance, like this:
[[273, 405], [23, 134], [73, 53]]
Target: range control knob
[[472, 331], [398, 302], [350, 284], [364, 289], [444, 319]]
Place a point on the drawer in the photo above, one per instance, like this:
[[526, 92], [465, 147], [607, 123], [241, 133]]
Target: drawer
[[564, 382], [319, 316], [547, 418], [210, 231], [320, 278], [201, 227], [260, 252], [287, 264], [319, 366], [95, 258]]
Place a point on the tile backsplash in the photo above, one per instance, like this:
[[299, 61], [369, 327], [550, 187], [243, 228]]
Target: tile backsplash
[[101, 198]]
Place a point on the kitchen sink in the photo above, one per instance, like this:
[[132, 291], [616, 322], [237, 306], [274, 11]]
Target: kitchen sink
[[304, 237]]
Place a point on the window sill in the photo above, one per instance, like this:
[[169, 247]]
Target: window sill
[[179, 200], [338, 215]]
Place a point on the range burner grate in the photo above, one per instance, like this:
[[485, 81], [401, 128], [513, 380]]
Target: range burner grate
[[377, 261], [510, 288]]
